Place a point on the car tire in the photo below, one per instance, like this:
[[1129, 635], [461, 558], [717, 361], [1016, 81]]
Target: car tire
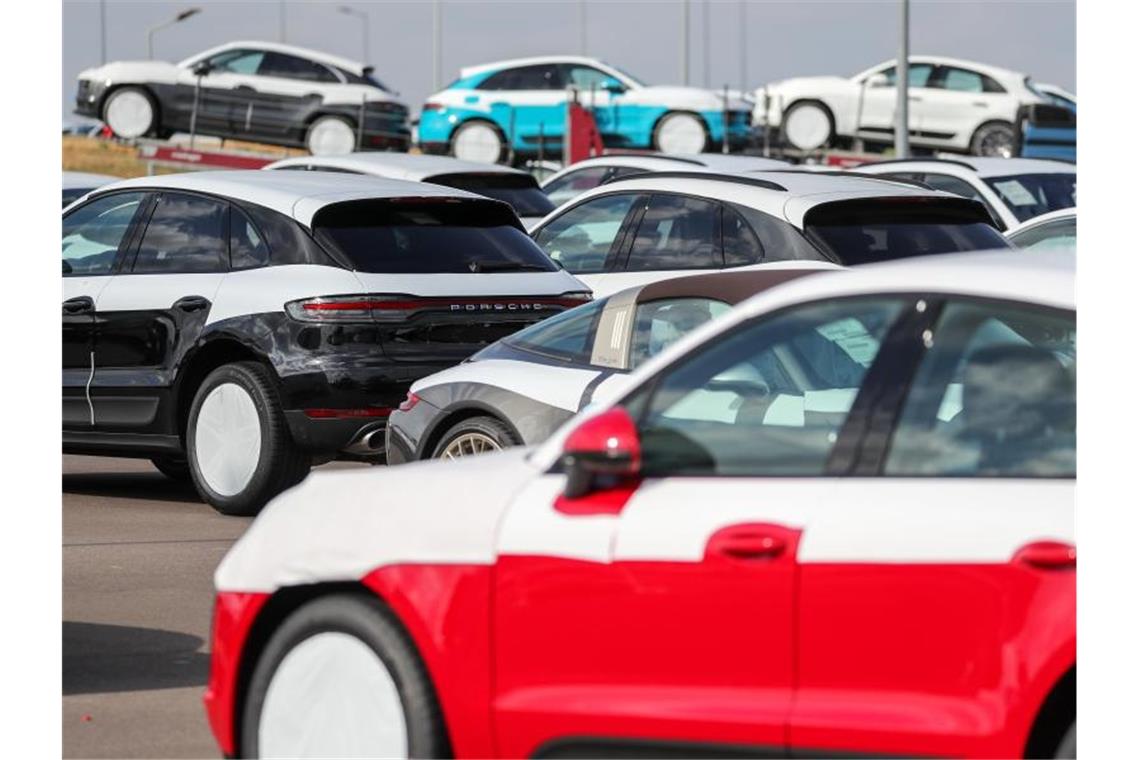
[[680, 134], [238, 443], [175, 468], [331, 136], [807, 125], [475, 435], [341, 678], [478, 141], [994, 138], [1067, 749], [130, 112]]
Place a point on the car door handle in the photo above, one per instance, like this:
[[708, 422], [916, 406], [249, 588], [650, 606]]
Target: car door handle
[[79, 305], [1047, 555], [751, 542], [192, 303]]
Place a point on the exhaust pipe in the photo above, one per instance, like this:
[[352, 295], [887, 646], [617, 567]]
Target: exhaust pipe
[[367, 443]]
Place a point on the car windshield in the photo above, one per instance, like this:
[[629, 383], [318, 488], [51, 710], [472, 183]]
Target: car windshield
[[417, 235], [1030, 195], [627, 75], [866, 231], [521, 191]]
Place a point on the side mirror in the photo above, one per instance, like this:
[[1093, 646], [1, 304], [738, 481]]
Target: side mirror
[[613, 86], [604, 451], [202, 68], [878, 80]]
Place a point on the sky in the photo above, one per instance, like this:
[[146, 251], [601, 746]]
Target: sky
[[782, 38]]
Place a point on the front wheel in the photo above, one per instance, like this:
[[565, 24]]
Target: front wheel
[[130, 112], [474, 435], [330, 136], [680, 134], [238, 443], [996, 139], [340, 678], [477, 141]]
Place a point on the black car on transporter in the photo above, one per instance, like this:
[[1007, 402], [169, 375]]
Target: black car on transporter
[[238, 327]]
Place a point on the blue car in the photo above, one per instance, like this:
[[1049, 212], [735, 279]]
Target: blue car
[[520, 105]]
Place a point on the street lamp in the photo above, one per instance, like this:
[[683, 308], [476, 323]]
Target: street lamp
[[176, 20], [363, 28]]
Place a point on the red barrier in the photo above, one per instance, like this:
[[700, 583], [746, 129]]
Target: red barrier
[[170, 154], [583, 139]]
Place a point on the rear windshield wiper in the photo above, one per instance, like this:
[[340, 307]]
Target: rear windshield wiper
[[485, 265]]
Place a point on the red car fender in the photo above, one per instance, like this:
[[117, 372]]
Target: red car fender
[[234, 615]]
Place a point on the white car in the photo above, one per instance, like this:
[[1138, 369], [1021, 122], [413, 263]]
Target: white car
[[642, 228], [591, 172], [1058, 96], [502, 183], [1057, 229], [78, 184], [263, 91], [955, 105], [1013, 189]]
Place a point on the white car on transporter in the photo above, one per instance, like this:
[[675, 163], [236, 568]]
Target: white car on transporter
[[955, 105]]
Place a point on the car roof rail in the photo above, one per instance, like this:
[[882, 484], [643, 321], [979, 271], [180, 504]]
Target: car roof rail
[[855, 173], [626, 152], [917, 159], [736, 179]]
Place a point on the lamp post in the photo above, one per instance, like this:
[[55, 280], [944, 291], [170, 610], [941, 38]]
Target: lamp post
[[685, 42], [902, 87], [176, 20], [363, 28]]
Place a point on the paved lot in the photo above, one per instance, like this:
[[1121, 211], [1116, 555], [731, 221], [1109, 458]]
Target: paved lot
[[139, 552]]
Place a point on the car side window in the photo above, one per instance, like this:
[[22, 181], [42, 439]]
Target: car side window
[[959, 80], [994, 396], [93, 233], [238, 61], [185, 234], [575, 183], [247, 248], [767, 399], [952, 185], [547, 76], [779, 241], [568, 336], [580, 239], [659, 324], [918, 75], [741, 246], [586, 77], [1059, 233], [677, 232], [292, 67]]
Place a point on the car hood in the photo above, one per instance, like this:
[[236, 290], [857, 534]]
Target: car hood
[[117, 72], [341, 525], [689, 98]]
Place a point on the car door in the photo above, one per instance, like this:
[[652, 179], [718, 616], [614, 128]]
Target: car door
[[530, 103], [94, 236], [152, 313], [661, 616], [588, 238], [958, 100], [595, 93], [877, 115], [284, 93], [228, 92], [937, 582]]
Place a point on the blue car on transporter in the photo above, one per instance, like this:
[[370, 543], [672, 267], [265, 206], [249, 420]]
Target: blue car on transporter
[[521, 104]]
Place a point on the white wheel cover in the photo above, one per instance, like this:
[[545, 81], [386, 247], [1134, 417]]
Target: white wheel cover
[[681, 134], [477, 142], [331, 137], [129, 113], [807, 127], [227, 439], [332, 697]]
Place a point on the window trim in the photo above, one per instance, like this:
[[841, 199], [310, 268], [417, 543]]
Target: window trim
[[616, 245], [718, 241], [128, 241]]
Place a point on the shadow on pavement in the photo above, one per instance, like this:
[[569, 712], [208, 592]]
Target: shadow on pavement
[[153, 486], [100, 658]]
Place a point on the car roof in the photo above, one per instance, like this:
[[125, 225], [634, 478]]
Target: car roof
[[941, 60], [982, 166], [409, 166], [510, 63], [356, 67], [1048, 216], [74, 180], [297, 194], [731, 287], [785, 194], [649, 160]]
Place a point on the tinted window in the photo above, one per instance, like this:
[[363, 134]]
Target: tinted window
[[741, 246], [247, 248], [779, 241], [768, 399], [677, 232], [542, 77], [292, 67], [92, 233], [1030, 195], [918, 74], [419, 237], [862, 232], [961, 187], [238, 61], [659, 324], [72, 194], [573, 184], [960, 80], [580, 239], [568, 336], [521, 191], [586, 77], [185, 234], [995, 396], [1059, 233]]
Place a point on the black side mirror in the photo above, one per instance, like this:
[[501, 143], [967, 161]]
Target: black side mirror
[[202, 68]]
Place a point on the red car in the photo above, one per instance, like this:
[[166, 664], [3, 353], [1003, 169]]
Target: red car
[[837, 520]]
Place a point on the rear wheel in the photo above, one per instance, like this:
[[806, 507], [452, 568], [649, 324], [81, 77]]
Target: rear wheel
[[238, 443], [130, 112], [340, 678], [808, 126], [680, 134], [477, 141], [474, 435], [330, 136], [175, 468], [995, 138]]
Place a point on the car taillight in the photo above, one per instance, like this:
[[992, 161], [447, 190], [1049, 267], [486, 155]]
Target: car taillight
[[408, 403], [429, 106], [399, 307]]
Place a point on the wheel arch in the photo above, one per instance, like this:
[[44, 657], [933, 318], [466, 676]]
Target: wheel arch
[[453, 416], [194, 369], [1057, 712]]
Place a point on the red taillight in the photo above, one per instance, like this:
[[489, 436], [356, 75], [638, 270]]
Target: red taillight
[[339, 414], [408, 403], [397, 307]]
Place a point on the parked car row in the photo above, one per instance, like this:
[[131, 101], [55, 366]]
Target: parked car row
[[286, 95]]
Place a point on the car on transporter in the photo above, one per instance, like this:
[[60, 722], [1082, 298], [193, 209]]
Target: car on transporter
[[521, 389], [262, 91], [570, 182], [956, 105], [1014, 190], [519, 106], [754, 550], [237, 327], [518, 188], [641, 228]]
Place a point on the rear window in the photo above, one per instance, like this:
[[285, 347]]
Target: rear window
[[883, 229], [421, 236], [521, 191], [1030, 195]]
